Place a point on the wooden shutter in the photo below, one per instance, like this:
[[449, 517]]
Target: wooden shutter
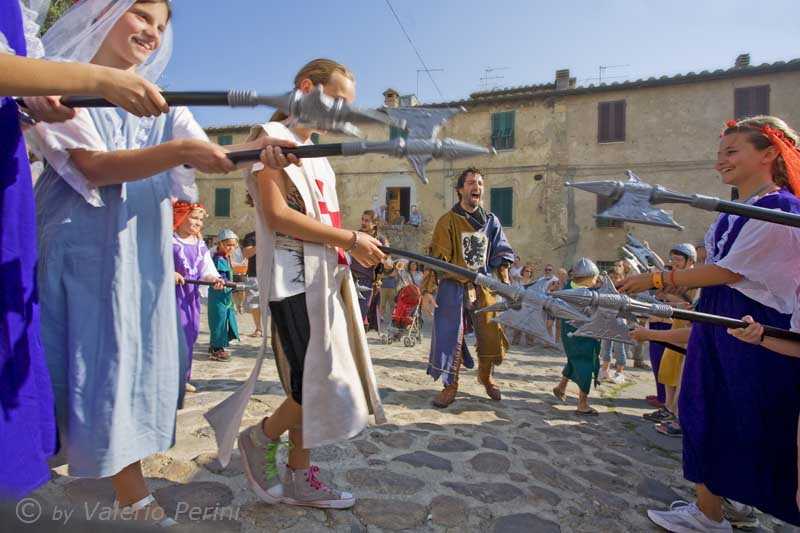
[[751, 101], [502, 204], [503, 130], [611, 121], [619, 121], [222, 202]]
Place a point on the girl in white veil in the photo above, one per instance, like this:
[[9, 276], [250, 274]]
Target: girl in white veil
[[27, 424], [104, 220]]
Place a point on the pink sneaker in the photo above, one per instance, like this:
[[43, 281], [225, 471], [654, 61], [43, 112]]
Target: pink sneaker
[[301, 487]]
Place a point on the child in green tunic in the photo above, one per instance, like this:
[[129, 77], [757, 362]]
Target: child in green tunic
[[221, 316], [583, 363]]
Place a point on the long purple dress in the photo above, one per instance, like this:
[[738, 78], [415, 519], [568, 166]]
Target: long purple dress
[[739, 402], [27, 412], [656, 353], [189, 264]]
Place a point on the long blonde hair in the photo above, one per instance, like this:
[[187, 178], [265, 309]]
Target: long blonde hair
[[319, 71]]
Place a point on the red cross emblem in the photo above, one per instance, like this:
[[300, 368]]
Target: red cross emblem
[[336, 218]]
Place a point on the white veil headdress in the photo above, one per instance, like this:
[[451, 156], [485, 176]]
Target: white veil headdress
[[79, 32]]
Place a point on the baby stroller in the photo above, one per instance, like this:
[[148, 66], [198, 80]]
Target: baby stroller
[[406, 318]]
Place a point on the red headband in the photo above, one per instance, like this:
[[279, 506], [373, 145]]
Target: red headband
[[181, 210], [786, 149]]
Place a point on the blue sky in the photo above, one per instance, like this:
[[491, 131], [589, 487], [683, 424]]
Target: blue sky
[[260, 44]]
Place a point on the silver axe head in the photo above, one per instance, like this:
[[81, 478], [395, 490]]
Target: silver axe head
[[633, 260], [531, 312], [421, 144], [604, 323], [325, 112], [632, 201], [644, 254], [610, 313]]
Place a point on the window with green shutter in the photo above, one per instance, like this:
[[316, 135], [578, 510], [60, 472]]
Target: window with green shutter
[[222, 202], [395, 132], [502, 204], [503, 130], [223, 140]]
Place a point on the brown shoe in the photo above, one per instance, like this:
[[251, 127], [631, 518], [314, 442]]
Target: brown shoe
[[485, 378], [446, 396]]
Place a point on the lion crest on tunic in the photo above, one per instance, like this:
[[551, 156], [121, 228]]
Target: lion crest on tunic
[[474, 248]]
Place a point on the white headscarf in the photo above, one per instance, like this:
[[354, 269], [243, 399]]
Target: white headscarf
[[78, 34]]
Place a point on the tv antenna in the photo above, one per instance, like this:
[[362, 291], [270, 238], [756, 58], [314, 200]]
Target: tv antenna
[[486, 79], [602, 69], [428, 70]]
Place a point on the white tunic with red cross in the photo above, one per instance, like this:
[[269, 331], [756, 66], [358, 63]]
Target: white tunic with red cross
[[315, 181]]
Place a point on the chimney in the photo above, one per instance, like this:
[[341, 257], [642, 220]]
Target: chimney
[[742, 61], [409, 100], [562, 79], [391, 98]]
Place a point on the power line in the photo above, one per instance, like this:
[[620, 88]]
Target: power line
[[419, 56]]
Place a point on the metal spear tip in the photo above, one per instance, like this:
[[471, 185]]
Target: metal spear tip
[[421, 151], [577, 297], [562, 309], [497, 307], [452, 149], [601, 188]]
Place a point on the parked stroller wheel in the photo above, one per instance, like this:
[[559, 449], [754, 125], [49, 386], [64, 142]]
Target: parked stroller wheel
[[391, 340], [412, 341], [407, 342], [384, 339]]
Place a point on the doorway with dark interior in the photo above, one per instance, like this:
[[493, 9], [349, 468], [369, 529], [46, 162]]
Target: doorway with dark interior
[[398, 204]]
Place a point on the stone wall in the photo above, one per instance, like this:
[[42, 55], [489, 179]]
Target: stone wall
[[671, 139]]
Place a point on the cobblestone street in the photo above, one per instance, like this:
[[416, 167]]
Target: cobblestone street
[[526, 463]]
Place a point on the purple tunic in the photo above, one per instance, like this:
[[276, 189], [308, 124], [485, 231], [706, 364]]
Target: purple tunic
[[739, 402], [27, 412], [189, 264]]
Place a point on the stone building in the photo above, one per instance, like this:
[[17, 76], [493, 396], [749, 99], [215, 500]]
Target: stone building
[[224, 195], [664, 129]]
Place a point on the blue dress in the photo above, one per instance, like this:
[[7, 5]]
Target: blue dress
[[739, 402], [27, 419], [109, 317]]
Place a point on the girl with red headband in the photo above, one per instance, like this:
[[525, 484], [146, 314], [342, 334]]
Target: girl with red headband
[[192, 261], [739, 402]]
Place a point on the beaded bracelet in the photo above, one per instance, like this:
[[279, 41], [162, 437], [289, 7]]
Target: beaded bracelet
[[355, 242]]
